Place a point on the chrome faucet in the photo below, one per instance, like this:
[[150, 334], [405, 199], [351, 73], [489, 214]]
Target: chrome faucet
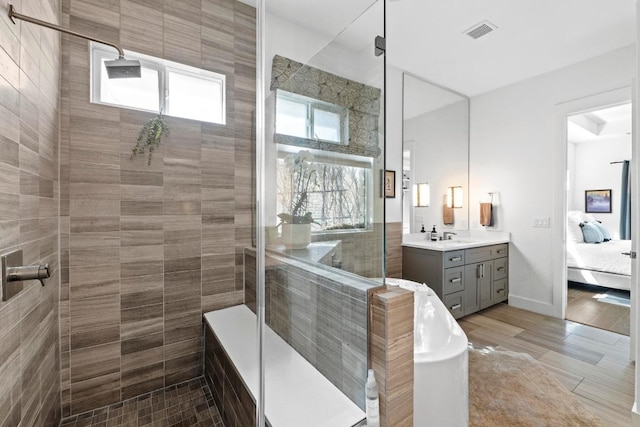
[[13, 273], [448, 235]]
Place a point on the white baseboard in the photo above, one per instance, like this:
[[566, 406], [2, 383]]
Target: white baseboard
[[635, 415], [532, 305]]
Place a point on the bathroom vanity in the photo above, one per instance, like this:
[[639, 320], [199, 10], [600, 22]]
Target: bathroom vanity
[[467, 274]]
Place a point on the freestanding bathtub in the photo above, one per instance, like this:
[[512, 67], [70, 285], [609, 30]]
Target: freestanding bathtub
[[441, 373]]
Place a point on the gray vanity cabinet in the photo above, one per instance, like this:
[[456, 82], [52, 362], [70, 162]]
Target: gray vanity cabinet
[[479, 280], [466, 280]]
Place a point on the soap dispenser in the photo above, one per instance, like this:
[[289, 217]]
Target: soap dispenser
[[434, 234], [422, 230]]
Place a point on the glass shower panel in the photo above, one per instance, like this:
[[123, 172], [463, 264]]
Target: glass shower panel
[[322, 210]]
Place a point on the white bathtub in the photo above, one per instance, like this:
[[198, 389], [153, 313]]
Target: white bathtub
[[441, 366]]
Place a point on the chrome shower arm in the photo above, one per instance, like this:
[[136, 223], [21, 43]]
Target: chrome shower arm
[[13, 14]]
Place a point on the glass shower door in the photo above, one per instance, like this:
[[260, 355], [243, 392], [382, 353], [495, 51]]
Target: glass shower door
[[321, 244]]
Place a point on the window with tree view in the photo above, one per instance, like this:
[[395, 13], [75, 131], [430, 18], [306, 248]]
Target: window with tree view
[[336, 197]]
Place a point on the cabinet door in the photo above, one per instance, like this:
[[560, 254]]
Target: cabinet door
[[485, 283], [471, 300]]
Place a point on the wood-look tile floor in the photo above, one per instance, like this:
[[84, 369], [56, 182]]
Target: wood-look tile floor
[[592, 363], [582, 307], [183, 405]]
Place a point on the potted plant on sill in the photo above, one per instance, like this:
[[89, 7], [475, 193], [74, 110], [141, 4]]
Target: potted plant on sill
[[150, 137], [296, 224]]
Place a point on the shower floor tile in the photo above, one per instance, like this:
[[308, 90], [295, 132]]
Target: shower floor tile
[[183, 405]]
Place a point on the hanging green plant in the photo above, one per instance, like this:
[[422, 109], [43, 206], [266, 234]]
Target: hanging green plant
[[150, 136]]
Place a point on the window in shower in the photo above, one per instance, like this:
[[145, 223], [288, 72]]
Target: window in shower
[[177, 90], [338, 197], [303, 117]]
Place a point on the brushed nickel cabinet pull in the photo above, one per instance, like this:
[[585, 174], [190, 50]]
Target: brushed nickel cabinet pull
[[455, 307], [456, 280], [455, 259]]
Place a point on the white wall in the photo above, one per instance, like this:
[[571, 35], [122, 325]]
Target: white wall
[[594, 171], [513, 137]]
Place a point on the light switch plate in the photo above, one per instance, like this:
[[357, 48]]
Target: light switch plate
[[542, 222]]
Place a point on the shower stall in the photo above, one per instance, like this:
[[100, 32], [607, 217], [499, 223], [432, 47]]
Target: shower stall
[[320, 212], [260, 190]]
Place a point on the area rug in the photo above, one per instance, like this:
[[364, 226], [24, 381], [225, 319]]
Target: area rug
[[513, 389]]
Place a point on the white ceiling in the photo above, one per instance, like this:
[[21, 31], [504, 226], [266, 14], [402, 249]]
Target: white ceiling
[[425, 37], [600, 126], [533, 37]]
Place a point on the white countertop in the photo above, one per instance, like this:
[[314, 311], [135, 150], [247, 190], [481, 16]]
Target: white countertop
[[463, 239]]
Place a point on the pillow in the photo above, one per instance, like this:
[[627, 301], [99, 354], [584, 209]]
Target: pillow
[[574, 231], [591, 233], [605, 233], [589, 218]]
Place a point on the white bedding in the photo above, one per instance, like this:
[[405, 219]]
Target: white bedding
[[606, 256]]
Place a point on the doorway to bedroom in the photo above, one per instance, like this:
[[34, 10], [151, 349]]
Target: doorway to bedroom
[[599, 150]]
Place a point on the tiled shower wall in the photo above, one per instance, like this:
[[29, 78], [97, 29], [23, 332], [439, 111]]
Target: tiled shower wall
[[146, 249], [29, 88], [321, 312]]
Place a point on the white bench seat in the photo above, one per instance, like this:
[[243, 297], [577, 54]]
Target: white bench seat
[[296, 393]]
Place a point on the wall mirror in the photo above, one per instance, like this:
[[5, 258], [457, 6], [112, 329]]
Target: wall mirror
[[435, 151]]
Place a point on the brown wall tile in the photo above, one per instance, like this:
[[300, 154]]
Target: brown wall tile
[[29, 329], [146, 248], [391, 353]]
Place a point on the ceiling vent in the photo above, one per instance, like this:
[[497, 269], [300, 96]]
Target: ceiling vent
[[481, 29]]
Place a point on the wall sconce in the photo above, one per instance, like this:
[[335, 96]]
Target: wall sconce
[[454, 197], [421, 195]]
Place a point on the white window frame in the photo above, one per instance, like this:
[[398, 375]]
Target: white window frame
[[100, 52], [311, 105]]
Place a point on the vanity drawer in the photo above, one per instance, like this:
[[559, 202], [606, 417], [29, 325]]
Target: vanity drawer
[[501, 289], [486, 253], [453, 280], [501, 268], [501, 250], [453, 259], [455, 304]]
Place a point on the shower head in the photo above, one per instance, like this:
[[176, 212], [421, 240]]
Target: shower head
[[123, 68], [116, 69]]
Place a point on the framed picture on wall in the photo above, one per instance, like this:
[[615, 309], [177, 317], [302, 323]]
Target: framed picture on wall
[[390, 184], [597, 201]]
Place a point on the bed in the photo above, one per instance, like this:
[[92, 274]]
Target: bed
[[600, 264]]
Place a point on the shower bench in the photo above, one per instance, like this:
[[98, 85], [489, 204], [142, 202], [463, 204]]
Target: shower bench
[[296, 393]]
